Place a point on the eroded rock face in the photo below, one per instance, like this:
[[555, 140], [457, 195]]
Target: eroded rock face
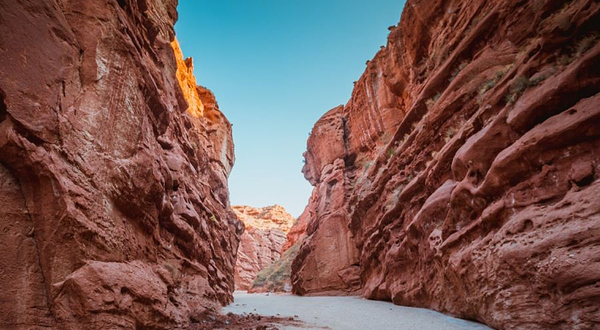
[[327, 260], [298, 230], [465, 167], [262, 242], [277, 276], [114, 205]]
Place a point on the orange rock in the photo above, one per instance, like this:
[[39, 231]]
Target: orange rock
[[187, 81]]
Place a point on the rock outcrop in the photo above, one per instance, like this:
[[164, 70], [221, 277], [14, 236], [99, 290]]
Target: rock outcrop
[[262, 242], [114, 206], [327, 262], [298, 230], [463, 174]]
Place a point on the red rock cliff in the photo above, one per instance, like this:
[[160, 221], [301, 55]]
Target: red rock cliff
[[262, 242], [114, 205], [298, 230], [462, 175]]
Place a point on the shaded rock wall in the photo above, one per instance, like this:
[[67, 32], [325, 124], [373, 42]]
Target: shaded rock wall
[[465, 167], [114, 208], [262, 242]]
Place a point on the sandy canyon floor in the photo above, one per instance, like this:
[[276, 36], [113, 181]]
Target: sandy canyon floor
[[345, 313]]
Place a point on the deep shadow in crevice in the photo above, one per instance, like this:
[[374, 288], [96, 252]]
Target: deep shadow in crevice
[[3, 112], [19, 128], [31, 137]]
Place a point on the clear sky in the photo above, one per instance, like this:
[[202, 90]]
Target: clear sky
[[275, 67]]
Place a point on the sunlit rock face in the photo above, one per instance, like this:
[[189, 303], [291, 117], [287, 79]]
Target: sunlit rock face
[[262, 241], [114, 205], [187, 81], [462, 175]]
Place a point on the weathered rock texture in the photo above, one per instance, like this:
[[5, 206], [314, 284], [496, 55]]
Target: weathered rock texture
[[298, 230], [114, 210], [463, 174], [277, 276], [327, 262], [262, 241]]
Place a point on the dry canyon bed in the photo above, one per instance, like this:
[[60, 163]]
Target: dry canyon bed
[[345, 313]]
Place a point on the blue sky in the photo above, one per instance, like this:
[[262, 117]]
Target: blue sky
[[275, 67]]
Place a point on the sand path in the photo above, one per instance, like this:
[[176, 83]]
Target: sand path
[[346, 313]]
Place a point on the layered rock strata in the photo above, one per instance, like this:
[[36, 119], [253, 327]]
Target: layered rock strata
[[463, 174], [262, 241], [114, 208]]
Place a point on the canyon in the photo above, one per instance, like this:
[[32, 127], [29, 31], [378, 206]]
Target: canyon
[[462, 174]]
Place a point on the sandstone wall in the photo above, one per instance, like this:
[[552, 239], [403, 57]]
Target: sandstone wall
[[262, 242], [463, 174], [114, 208], [298, 230]]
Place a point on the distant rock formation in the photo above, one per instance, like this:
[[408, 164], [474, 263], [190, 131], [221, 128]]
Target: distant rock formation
[[114, 206], [277, 276], [463, 174], [262, 242]]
